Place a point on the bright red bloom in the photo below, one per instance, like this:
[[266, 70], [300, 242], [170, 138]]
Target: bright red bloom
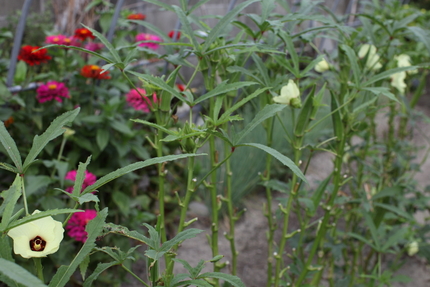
[[137, 16], [83, 34], [52, 91], [172, 33], [94, 72], [32, 57], [76, 225], [180, 87], [89, 179]]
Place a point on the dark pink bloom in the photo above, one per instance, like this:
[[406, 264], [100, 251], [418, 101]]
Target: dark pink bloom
[[148, 37], [76, 225], [138, 102], [88, 180], [52, 91], [93, 46]]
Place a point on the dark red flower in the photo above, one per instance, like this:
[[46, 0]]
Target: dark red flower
[[83, 34], [94, 72], [172, 33], [32, 57], [137, 16], [180, 87]]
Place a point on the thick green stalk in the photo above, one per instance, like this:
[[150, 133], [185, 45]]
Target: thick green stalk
[[337, 180], [231, 216], [214, 200], [269, 215], [287, 211], [39, 268]]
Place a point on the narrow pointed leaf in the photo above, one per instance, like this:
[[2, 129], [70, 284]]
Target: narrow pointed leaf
[[223, 23], [10, 196], [18, 274], [80, 177], [132, 167], [95, 54], [282, 158], [93, 228], [386, 74], [54, 130], [353, 60], [107, 44], [41, 214], [186, 27], [223, 88], [181, 236], [10, 146], [267, 112], [101, 267], [233, 280]]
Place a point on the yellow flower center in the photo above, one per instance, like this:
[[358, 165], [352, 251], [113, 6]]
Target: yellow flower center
[[52, 86], [56, 39], [94, 67], [37, 244]]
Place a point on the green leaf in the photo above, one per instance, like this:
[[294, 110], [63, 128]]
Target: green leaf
[[336, 118], [101, 267], [282, 158], [53, 131], [233, 280], [8, 167], [102, 138], [395, 238], [186, 27], [305, 114], [387, 73], [373, 231], [316, 197], [10, 196], [353, 60], [5, 248], [262, 69], [95, 54], [225, 117], [107, 44], [197, 283], [132, 167], [20, 73], [267, 112], [161, 4], [123, 231], [422, 35], [84, 266], [80, 177], [10, 147], [223, 23], [181, 236], [362, 239], [93, 228], [394, 209], [267, 6], [18, 274], [161, 128], [223, 88], [237, 69], [384, 91], [159, 83]]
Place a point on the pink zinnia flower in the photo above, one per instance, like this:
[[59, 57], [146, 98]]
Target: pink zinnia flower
[[76, 225], [52, 91], [136, 101], [148, 37], [93, 46], [88, 180]]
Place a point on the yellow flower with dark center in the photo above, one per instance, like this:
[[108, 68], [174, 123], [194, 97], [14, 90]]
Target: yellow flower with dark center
[[37, 238]]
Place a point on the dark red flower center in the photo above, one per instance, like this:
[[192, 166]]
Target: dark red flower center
[[37, 244]]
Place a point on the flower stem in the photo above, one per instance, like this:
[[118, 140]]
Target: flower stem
[[135, 276], [39, 268]]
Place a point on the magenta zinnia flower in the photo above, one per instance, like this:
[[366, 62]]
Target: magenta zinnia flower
[[52, 91], [76, 225], [88, 180], [138, 102], [148, 37]]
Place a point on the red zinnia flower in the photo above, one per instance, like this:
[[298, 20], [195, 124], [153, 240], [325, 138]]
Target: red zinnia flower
[[137, 16], [76, 225], [83, 34], [32, 57], [94, 72], [172, 33], [180, 87]]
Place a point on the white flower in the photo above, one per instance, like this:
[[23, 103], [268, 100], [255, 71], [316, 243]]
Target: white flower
[[290, 95], [322, 66], [413, 248], [404, 60], [37, 238], [398, 81], [372, 57]]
